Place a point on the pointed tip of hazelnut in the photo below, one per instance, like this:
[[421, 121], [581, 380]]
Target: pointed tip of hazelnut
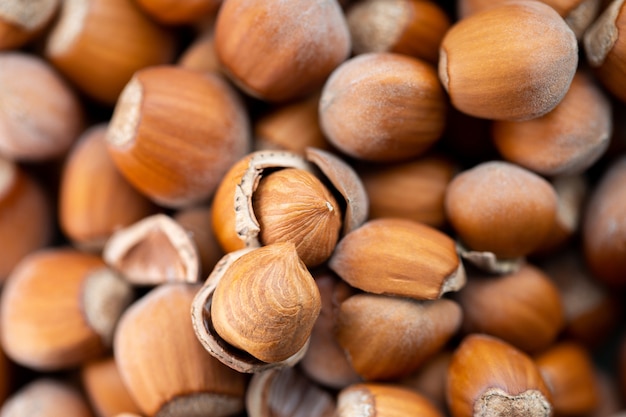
[[601, 36], [154, 250], [29, 15], [497, 403], [106, 296], [69, 26], [126, 116]]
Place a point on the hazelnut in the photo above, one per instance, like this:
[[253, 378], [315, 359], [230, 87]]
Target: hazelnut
[[46, 397], [515, 212], [431, 377], [514, 61], [26, 224], [285, 392], [399, 257], [173, 12], [292, 205], [293, 127], [527, 298], [605, 48], [578, 14], [200, 55], [412, 190], [94, 198], [21, 22], [569, 372], [105, 389], [490, 378], [82, 38], [40, 116], [257, 308], [368, 328], [164, 367], [376, 399], [325, 361], [177, 161], [408, 27], [315, 217], [59, 309], [276, 50], [604, 226], [383, 107], [567, 140]]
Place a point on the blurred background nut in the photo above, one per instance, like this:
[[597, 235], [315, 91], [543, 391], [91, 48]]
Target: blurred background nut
[[40, 115], [376, 399], [386, 338], [514, 214], [285, 392], [605, 48], [325, 361], [592, 312], [413, 190], [105, 389], [383, 107], [46, 397], [514, 61], [523, 308], [59, 308], [489, 377], [569, 373], [177, 161], [409, 27], [604, 224], [174, 12], [399, 257], [293, 126], [82, 38], [567, 140], [313, 39], [164, 367], [94, 198], [578, 14], [22, 21], [26, 223]]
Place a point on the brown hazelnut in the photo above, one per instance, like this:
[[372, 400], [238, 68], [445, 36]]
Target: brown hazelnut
[[399, 257], [604, 226], [383, 107], [46, 397], [59, 309], [174, 12], [22, 21], [409, 27], [175, 147], [515, 212], [514, 61], [567, 140], [527, 298], [277, 50], [490, 378], [94, 198], [82, 38], [164, 367], [40, 115]]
